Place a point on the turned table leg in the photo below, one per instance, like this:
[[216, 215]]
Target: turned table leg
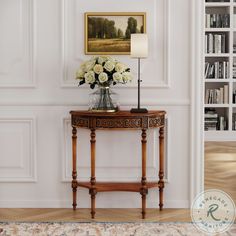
[[92, 190], [74, 172], [144, 189], [161, 167]]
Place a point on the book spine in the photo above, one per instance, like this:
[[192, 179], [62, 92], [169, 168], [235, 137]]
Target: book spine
[[206, 44], [210, 43], [226, 94], [221, 95], [227, 70], [214, 21], [234, 20], [217, 43], [224, 70], [217, 96], [208, 21], [223, 43], [207, 69], [222, 123], [207, 96], [216, 70]]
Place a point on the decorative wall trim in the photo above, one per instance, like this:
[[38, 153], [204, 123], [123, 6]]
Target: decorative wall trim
[[32, 49], [150, 103], [32, 177], [165, 83], [196, 15], [66, 177], [64, 33], [167, 20]]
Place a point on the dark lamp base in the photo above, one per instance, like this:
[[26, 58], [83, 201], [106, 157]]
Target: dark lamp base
[[139, 110]]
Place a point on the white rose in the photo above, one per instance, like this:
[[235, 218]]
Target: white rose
[[102, 59], [117, 77], [109, 66], [94, 58], [82, 67], [120, 67], [127, 77], [111, 59], [80, 74], [89, 65], [103, 77], [98, 69], [89, 77]]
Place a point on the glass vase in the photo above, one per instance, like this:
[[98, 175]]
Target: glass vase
[[103, 100]]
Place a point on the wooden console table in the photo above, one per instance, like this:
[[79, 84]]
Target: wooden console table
[[118, 120]]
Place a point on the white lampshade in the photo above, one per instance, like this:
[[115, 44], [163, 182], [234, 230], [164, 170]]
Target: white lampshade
[[139, 45]]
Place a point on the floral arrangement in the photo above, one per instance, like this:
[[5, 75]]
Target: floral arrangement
[[103, 71]]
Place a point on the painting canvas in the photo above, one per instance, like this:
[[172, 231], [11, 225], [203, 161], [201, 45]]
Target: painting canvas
[[109, 33]]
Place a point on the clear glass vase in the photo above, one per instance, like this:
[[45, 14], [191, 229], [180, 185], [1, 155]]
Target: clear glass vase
[[103, 100]]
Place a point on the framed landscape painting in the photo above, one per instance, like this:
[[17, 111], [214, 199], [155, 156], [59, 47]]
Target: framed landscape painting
[[109, 32]]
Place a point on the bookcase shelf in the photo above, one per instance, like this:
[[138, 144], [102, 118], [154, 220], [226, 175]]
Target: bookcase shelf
[[217, 55], [216, 105], [220, 70], [217, 30], [217, 4], [220, 135], [217, 80]]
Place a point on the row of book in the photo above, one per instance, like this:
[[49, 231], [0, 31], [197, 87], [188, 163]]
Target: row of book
[[215, 43], [217, 96], [212, 121], [217, 70], [217, 21], [234, 70]]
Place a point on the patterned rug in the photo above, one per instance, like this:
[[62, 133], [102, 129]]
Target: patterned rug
[[102, 229]]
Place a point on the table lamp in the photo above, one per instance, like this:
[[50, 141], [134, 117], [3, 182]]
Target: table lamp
[[139, 49]]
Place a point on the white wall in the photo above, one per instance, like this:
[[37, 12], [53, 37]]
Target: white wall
[[41, 45]]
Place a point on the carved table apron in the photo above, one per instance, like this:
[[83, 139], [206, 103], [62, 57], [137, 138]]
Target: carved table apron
[[118, 120]]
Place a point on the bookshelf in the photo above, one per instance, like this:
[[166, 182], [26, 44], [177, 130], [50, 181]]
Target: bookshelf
[[220, 70]]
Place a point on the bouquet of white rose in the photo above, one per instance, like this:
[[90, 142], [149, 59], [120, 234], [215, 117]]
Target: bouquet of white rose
[[103, 71]]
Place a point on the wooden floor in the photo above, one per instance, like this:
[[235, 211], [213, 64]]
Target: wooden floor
[[220, 167], [102, 215]]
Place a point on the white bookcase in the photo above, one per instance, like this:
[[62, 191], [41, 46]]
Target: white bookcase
[[219, 61]]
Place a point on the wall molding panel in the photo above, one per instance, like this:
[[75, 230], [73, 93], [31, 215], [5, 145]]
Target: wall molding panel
[[72, 53], [18, 154], [17, 48], [41, 46]]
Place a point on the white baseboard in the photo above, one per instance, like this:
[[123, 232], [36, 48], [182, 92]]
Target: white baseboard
[[67, 204]]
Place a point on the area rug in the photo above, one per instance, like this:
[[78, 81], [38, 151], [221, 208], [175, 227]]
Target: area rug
[[102, 229]]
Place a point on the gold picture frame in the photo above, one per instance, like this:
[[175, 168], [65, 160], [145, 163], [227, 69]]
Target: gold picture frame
[[108, 33]]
